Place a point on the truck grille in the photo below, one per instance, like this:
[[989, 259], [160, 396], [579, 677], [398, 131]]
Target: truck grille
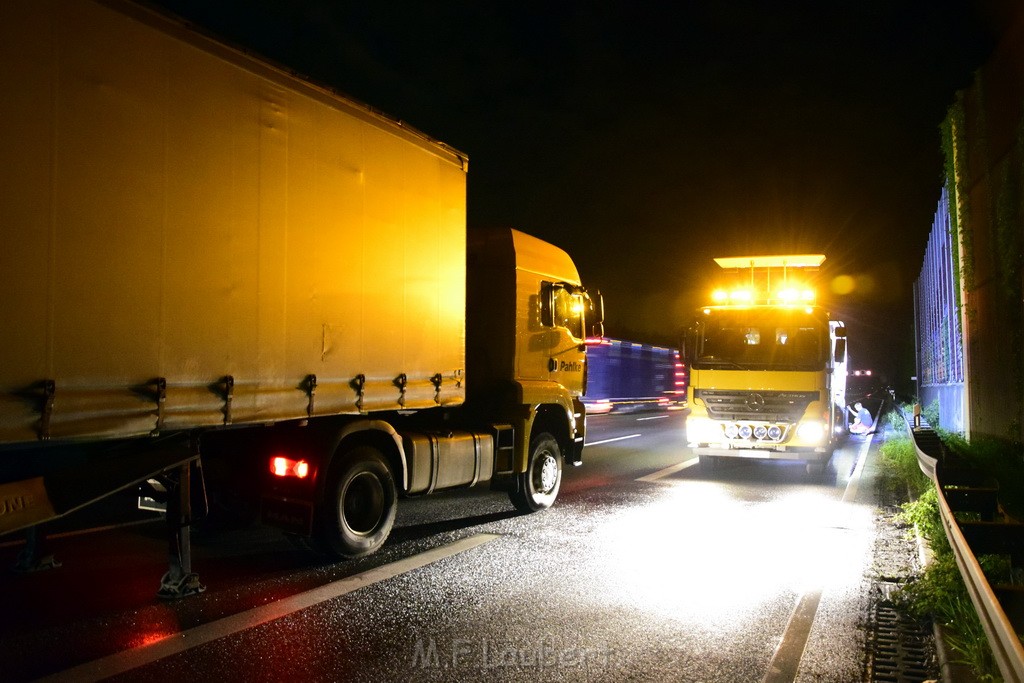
[[768, 406]]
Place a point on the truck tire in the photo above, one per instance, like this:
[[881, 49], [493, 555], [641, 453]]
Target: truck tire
[[539, 484], [709, 463], [360, 503], [815, 469]]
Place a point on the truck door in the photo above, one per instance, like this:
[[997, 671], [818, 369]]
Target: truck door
[[562, 307]]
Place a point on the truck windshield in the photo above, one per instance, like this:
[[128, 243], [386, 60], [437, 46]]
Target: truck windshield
[[761, 340]]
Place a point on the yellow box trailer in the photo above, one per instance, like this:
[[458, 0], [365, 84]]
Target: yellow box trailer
[[195, 243]]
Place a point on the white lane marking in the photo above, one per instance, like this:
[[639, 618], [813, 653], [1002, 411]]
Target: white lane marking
[[672, 469], [618, 438], [853, 485], [786, 660], [653, 417], [127, 660]]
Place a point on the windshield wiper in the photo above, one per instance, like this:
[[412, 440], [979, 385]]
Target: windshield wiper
[[711, 360]]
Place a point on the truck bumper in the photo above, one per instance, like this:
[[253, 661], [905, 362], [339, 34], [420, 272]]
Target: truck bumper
[[816, 455]]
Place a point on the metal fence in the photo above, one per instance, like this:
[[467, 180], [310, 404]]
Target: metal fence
[[940, 357]]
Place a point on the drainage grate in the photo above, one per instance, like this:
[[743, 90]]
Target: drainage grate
[[899, 650]]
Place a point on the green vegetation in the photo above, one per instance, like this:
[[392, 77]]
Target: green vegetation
[[939, 593], [930, 413], [899, 467], [954, 148], [923, 514], [995, 458], [968, 639], [896, 421]]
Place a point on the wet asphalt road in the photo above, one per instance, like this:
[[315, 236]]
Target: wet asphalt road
[[648, 568]]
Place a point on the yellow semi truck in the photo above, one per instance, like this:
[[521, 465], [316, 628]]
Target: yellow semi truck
[[204, 258], [767, 365]]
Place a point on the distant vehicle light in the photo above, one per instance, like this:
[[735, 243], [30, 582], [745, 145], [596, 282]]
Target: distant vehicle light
[[599, 407], [281, 466]]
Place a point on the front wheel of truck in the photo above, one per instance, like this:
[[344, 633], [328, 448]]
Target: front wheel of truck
[[539, 484], [360, 503]]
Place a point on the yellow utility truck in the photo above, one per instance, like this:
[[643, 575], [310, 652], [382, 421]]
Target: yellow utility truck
[[767, 366], [206, 259]]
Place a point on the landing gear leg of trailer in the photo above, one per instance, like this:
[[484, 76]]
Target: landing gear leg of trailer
[[180, 581], [34, 556]]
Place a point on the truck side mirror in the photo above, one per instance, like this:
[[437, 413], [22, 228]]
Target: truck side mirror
[[595, 315], [688, 345], [840, 353], [547, 304]]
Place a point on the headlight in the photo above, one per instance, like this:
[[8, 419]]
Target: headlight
[[745, 432], [774, 433], [702, 430], [810, 431], [730, 430], [760, 431]]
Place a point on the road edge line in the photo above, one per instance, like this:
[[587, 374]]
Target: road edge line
[[785, 662], [126, 660]]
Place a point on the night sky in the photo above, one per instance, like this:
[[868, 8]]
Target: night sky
[[646, 138]]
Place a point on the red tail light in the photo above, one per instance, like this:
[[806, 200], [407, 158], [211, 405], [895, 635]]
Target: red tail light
[[281, 466]]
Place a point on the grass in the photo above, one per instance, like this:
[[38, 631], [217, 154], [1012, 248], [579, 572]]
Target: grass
[[899, 466], [999, 459], [923, 514], [939, 593]]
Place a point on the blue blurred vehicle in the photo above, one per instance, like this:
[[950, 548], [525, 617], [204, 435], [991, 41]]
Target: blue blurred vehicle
[[625, 376]]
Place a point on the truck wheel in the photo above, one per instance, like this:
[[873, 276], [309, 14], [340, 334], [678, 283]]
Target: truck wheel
[[816, 468], [538, 485], [360, 503]]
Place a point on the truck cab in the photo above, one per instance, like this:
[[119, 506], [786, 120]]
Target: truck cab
[[526, 340], [767, 368]]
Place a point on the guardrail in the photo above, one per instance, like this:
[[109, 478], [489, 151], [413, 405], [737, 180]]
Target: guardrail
[[971, 493]]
